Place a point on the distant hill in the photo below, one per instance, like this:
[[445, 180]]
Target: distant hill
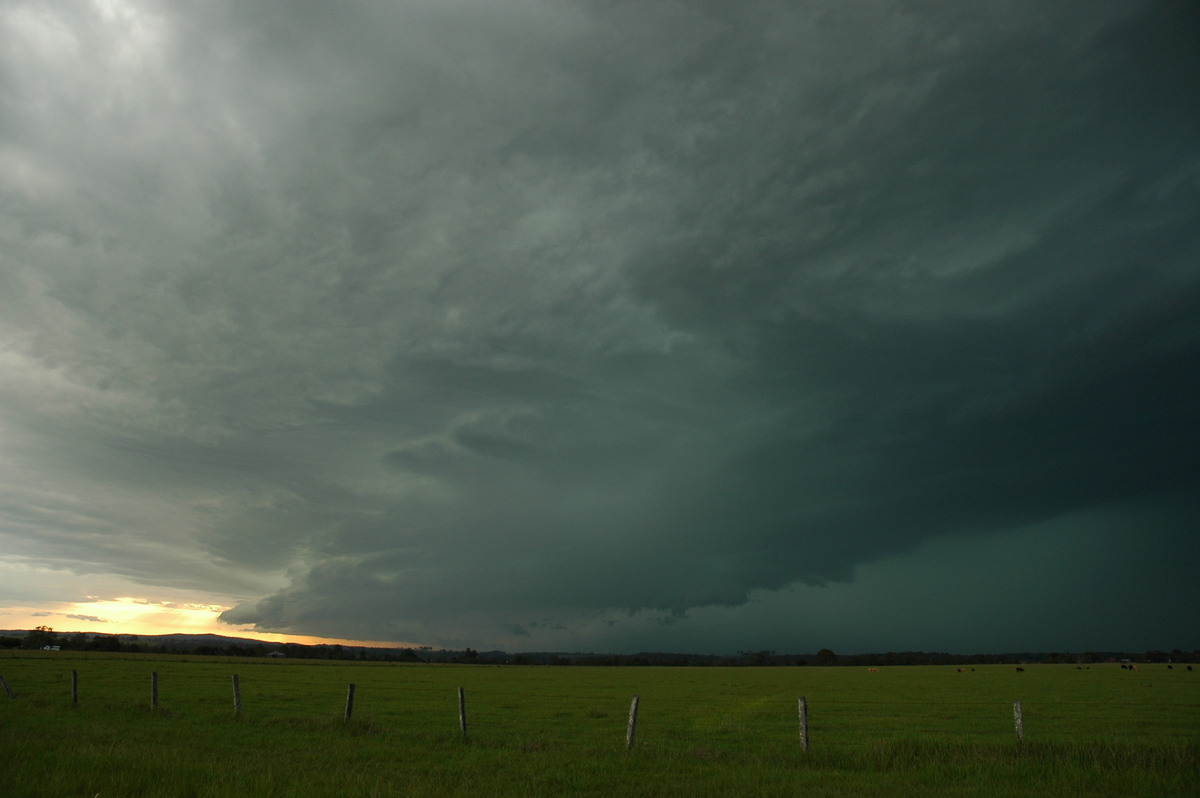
[[170, 640], [180, 643], [179, 640]]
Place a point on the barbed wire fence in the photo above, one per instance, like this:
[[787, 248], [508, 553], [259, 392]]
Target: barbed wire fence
[[713, 725]]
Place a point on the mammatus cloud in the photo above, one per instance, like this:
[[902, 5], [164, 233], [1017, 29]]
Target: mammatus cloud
[[589, 325]]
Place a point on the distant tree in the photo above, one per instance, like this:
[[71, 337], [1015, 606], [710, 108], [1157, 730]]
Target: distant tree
[[757, 657], [40, 637], [104, 643], [825, 657]]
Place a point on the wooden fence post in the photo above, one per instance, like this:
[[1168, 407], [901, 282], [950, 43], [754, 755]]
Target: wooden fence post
[[237, 697], [154, 690], [349, 704], [462, 712], [74, 687], [7, 689], [631, 729], [803, 707], [1018, 721]]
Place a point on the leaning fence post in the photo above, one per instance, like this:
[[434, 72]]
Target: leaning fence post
[[803, 707], [631, 729], [349, 704], [1018, 720], [237, 697], [74, 687], [462, 712], [154, 689], [7, 689]]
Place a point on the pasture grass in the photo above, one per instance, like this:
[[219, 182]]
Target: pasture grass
[[905, 731]]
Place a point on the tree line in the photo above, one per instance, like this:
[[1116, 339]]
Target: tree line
[[44, 637]]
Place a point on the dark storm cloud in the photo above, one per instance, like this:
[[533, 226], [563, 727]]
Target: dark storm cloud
[[591, 324]]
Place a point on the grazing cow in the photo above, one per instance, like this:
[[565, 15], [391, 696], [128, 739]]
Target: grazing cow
[[873, 670], [1020, 669]]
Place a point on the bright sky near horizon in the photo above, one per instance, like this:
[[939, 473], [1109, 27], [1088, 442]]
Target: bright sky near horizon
[[600, 325], [128, 615]]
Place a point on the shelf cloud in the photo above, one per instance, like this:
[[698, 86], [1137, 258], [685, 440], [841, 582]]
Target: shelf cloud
[[613, 326]]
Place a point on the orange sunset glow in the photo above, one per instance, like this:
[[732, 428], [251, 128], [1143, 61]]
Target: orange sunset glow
[[128, 615]]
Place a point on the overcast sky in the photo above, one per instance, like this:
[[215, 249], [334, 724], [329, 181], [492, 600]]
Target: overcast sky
[[601, 325]]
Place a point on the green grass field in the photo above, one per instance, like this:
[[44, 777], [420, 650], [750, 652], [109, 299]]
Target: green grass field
[[904, 731]]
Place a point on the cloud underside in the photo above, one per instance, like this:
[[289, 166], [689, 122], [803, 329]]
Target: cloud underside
[[482, 323]]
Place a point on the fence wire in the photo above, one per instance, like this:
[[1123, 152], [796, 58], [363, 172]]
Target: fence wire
[[552, 714]]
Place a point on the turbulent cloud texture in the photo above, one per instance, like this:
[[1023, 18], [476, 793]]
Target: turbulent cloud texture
[[597, 324]]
